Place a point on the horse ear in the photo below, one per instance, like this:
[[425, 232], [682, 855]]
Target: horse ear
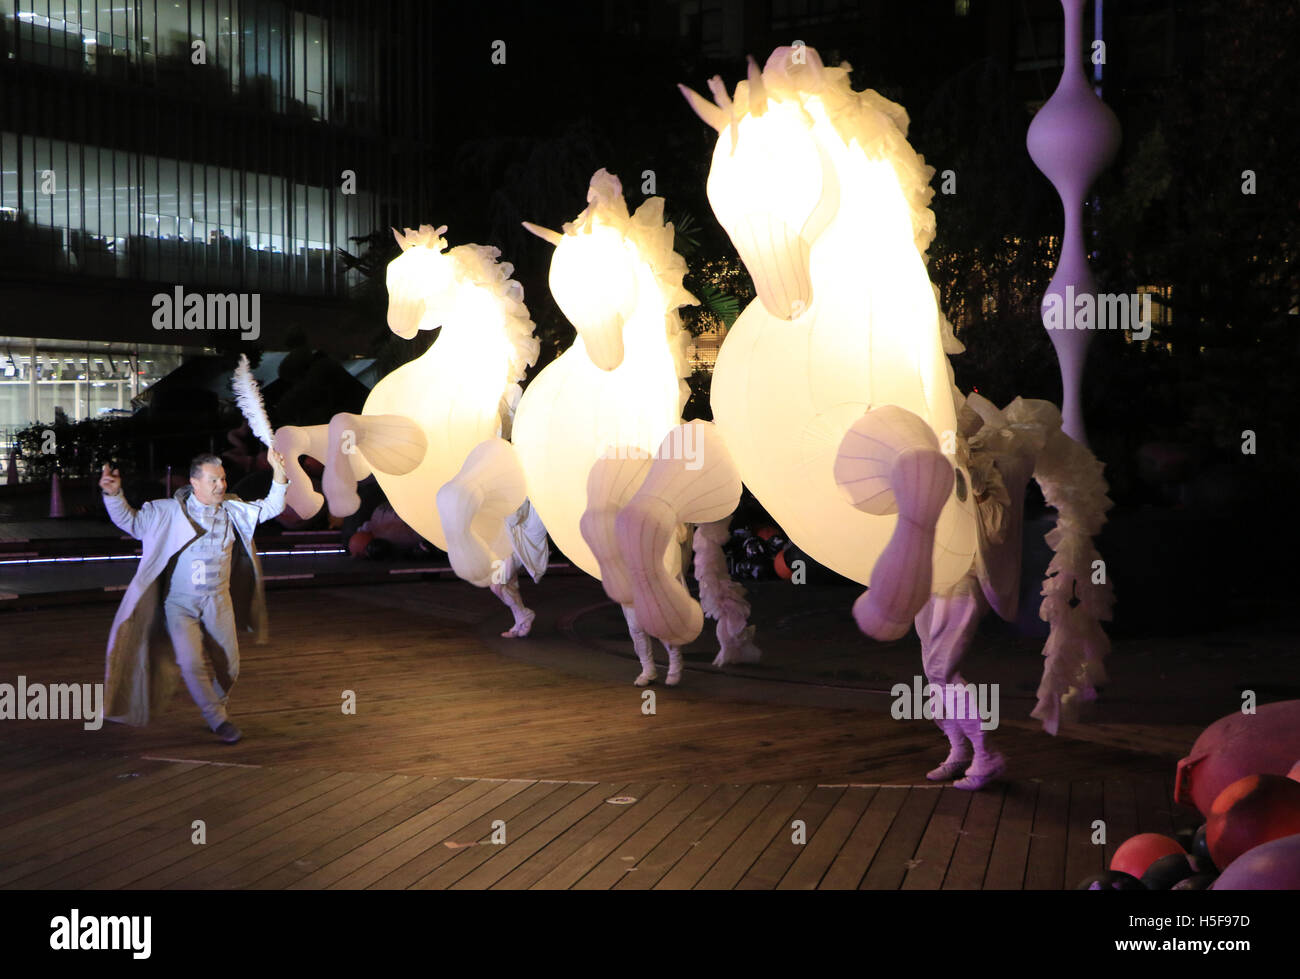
[[401, 240], [546, 234], [706, 110], [757, 91]]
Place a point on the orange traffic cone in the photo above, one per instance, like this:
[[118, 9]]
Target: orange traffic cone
[[56, 496]]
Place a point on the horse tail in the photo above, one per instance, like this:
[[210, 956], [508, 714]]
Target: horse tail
[[1077, 591]]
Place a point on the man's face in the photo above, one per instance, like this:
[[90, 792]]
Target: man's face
[[210, 484]]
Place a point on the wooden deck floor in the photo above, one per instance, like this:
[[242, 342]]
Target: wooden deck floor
[[130, 823], [450, 737]]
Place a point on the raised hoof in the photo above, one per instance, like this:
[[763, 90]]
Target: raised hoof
[[645, 679], [672, 679]]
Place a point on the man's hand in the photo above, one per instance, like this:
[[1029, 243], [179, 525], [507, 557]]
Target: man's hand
[[277, 465], [110, 481]]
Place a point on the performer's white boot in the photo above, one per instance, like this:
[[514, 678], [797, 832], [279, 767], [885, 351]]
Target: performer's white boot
[[509, 594], [644, 651], [674, 676], [986, 765], [959, 753]]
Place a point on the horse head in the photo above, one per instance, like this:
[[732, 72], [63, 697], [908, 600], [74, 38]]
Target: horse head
[[772, 184], [594, 271], [421, 281]]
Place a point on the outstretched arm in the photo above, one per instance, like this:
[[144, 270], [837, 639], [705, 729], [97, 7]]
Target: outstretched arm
[[273, 505], [127, 519]]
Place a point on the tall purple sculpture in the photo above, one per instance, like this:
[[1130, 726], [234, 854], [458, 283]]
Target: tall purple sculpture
[[1072, 140]]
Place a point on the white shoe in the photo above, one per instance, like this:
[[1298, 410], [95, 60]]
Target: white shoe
[[950, 769], [982, 772]]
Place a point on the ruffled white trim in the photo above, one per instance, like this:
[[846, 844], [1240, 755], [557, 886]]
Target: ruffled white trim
[[721, 598], [1073, 484]]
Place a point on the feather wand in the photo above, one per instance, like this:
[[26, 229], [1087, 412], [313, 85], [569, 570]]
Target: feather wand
[[249, 400]]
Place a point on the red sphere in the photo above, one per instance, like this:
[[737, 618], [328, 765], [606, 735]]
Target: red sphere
[[1249, 812], [359, 542], [1137, 853], [781, 568], [767, 533]]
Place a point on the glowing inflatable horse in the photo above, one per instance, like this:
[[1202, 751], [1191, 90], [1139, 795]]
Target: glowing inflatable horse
[[591, 423], [422, 422], [870, 459]]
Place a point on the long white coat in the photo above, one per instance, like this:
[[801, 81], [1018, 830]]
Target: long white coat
[[140, 674]]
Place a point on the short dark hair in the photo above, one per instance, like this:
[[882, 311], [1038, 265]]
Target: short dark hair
[[199, 461]]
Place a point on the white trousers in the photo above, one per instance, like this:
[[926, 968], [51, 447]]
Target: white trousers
[[192, 622]]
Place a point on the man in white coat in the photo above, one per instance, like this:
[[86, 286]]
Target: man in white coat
[[198, 584]]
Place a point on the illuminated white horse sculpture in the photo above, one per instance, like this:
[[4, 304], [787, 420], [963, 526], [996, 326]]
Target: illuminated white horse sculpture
[[422, 422], [870, 458], [589, 424]]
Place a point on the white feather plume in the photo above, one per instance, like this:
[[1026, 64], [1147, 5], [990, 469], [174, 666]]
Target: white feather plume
[[249, 400]]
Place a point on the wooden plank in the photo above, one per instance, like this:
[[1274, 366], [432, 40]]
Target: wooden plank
[[970, 858], [623, 859], [318, 790], [651, 868], [930, 865], [736, 860], [390, 849], [573, 867], [102, 806], [546, 847], [687, 872], [470, 859], [1010, 856], [313, 854], [1154, 808], [330, 822], [1119, 808], [66, 864], [898, 847], [1045, 868], [1083, 857], [475, 834], [782, 852], [850, 864], [225, 816]]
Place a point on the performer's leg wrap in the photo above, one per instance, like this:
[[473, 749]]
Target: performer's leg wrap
[[641, 643]]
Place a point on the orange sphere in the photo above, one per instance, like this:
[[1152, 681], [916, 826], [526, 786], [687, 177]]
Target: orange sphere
[[1249, 812], [1137, 853], [358, 543]]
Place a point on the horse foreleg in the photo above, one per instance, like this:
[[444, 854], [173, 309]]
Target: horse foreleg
[[473, 506], [889, 462], [692, 480], [293, 442]]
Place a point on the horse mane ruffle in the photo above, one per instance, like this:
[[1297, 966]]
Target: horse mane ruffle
[[480, 265], [876, 124]]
